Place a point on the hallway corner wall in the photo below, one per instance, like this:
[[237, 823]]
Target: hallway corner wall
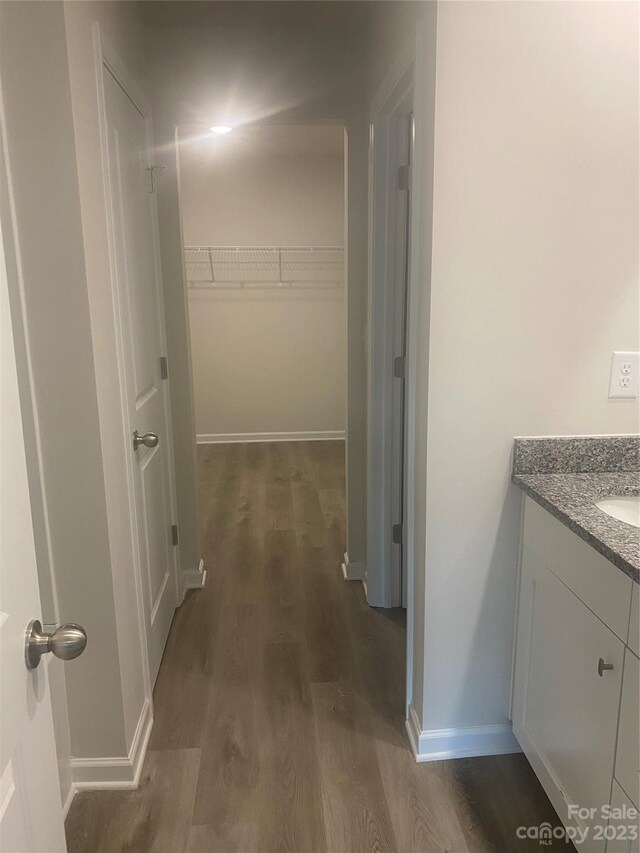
[[535, 269]]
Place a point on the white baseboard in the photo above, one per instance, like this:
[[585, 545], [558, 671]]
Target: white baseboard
[[116, 773], [352, 571], [239, 437], [194, 578], [445, 744]]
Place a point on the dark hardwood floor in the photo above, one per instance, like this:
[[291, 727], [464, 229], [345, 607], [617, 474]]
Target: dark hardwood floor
[[279, 720]]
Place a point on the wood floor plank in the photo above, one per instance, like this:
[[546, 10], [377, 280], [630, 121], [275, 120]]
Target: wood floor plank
[[422, 811], [327, 633], [256, 460], [281, 577], [227, 791], [277, 467], [521, 794], [291, 818], [217, 469], [155, 819], [251, 508], [224, 838], [421, 797], [240, 567], [328, 464], [307, 512], [355, 808], [332, 503], [279, 506], [279, 704], [182, 688], [219, 513], [236, 501], [489, 809], [298, 462], [282, 614]]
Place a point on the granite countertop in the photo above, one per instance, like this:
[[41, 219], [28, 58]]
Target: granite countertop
[[546, 470], [571, 498]]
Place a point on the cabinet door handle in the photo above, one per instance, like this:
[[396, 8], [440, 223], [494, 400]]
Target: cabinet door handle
[[603, 667]]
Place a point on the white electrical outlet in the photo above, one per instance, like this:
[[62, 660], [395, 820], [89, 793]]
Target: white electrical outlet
[[625, 367]]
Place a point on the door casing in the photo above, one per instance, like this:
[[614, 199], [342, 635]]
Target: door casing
[[108, 62], [389, 219], [411, 78]]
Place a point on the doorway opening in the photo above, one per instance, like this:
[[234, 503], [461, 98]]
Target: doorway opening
[[263, 219]]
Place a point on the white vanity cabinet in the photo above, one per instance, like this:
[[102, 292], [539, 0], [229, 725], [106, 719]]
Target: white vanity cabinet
[[571, 663]]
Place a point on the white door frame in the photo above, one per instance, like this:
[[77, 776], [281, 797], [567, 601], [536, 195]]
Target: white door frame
[[411, 72], [108, 61], [391, 107]]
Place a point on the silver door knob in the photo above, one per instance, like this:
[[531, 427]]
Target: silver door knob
[[67, 642], [149, 439]]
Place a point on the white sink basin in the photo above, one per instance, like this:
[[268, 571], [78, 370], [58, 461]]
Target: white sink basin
[[623, 507]]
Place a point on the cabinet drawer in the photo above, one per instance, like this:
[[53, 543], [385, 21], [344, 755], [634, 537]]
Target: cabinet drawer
[[603, 587], [627, 768]]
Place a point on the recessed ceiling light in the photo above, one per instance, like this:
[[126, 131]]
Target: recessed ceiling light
[[221, 128]]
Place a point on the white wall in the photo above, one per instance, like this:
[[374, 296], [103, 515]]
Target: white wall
[[393, 28], [534, 284], [264, 186], [267, 361]]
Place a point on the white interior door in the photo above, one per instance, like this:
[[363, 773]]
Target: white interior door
[[30, 808], [404, 129], [142, 326]]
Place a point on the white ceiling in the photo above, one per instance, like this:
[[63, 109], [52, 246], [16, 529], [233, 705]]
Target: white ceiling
[[317, 140], [258, 13], [258, 62]]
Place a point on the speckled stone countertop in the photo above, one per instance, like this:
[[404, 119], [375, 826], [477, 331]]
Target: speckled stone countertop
[[568, 475]]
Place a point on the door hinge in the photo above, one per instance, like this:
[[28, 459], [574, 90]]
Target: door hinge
[[404, 176], [164, 367], [174, 534], [152, 176], [398, 367], [397, 534]]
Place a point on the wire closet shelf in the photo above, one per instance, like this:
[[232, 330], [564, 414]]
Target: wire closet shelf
[[264, 267]]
